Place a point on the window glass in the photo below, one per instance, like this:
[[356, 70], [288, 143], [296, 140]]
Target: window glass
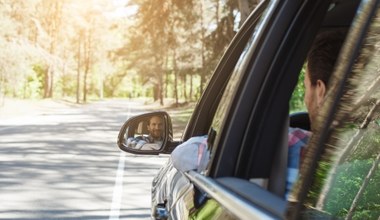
[[296, 103], [347, 181], [238, 71]]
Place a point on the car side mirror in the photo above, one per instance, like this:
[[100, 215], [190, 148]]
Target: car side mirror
[[149, 133]]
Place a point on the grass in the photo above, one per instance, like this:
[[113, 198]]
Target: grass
[[180, 117]]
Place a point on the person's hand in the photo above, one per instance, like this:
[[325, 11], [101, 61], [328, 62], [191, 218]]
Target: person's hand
[[140, 144]]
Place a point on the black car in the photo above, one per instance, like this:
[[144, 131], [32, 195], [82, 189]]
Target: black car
[[245, 113]]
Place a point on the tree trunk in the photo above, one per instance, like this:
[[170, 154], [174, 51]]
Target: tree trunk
[[87, 60], [167, 74], [78, 66], [364, 185], [191, 87], [156, 92], [161, 94], [245, 8], [203, 30], [54, 24], [51, 81], [160, 77], [244, 11], [85, 83], [47, 83], [175, 70], [184, 86]]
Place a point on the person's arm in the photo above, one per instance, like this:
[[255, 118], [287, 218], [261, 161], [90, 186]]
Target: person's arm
[[140, 143], [151, 146], [191, 155], [130, 142], [135, 142]]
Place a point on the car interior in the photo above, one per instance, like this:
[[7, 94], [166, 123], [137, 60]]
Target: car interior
[[300, 120]]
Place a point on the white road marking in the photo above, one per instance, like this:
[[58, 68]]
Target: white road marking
[[118, 188]]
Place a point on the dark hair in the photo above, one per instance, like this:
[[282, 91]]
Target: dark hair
[[323, 55]]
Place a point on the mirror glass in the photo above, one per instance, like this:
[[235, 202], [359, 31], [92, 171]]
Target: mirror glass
[[145, 133]]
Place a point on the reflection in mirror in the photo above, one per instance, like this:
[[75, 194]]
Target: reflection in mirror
[[145, 133]]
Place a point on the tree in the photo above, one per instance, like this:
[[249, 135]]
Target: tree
[[17, 77], [80, 48], [50, 19], [245, 8]]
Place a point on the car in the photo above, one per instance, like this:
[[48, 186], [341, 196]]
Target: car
[[244, 111]]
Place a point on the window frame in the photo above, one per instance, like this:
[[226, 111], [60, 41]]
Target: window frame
[[247, 127]]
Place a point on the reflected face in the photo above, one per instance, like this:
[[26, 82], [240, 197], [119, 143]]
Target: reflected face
[[155, 127]]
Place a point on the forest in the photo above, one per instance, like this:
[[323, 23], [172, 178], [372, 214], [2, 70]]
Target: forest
[[96, 49]]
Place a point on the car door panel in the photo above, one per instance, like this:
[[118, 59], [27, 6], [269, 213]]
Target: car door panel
[[260, 87], [198, 123]]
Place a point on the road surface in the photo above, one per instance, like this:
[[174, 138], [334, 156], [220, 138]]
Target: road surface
[[61, 162]]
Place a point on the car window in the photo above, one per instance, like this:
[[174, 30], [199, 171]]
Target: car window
[[297, 103], [203, 114], [232, 86], [346, 182]]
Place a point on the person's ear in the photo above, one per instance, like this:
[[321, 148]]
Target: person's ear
[[321, 92]]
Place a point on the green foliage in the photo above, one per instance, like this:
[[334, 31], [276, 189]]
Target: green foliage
[[40, 71], [348, 181], [67, 85], [297, 101], [350, 177], [167, 47], [320, 177], [33, 87], [369, 146]]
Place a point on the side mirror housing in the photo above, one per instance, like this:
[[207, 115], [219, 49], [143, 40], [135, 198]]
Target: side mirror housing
[[149, 134]]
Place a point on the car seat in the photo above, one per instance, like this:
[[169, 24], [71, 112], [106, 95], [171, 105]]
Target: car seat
[[300, 120]]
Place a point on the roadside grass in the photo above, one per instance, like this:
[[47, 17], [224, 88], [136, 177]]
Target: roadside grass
[[180, 116]]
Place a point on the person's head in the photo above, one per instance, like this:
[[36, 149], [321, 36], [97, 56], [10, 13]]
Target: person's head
[[155, 127], [320, 65]]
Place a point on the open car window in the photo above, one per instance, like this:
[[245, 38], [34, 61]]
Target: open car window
[[345, 184]]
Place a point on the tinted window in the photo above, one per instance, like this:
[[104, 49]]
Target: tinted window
[[347, 180], [233, 83]]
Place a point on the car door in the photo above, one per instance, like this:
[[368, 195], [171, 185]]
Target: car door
[[340, 180], [248, 135], [172, 193]]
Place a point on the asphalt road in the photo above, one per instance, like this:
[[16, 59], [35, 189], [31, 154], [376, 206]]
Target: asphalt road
[[62, 163]]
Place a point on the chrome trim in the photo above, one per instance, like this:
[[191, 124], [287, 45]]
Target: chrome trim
[[235, 204]]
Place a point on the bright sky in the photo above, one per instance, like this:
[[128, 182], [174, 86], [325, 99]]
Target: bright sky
[[122, 9]]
